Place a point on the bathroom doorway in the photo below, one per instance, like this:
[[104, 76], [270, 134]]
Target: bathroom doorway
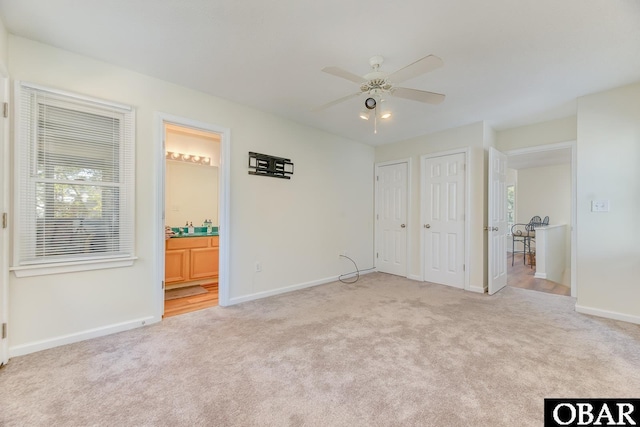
[[192, 258], [192, 161]]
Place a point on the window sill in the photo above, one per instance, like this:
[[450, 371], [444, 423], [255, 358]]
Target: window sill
[[71, 267]]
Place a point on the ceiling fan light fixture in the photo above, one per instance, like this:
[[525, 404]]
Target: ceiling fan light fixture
[[377, 85], [370, 103]]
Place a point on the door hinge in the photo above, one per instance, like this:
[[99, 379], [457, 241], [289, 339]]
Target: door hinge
[[4, 330], [5, 109], [376, 254], [163, 284], [377, 178], [464, 267], [377, 216], [4, 220]]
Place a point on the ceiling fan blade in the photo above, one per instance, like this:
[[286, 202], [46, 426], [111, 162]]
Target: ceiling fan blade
[[339, 72], [421, 66], [418, 95], [337, 101]]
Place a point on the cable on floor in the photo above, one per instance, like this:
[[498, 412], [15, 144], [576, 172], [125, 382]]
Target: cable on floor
[[357, 272]]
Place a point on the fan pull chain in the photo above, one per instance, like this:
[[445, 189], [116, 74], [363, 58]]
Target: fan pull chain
[[375, 120]]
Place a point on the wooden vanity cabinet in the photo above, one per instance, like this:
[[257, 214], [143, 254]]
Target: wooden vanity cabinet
[[176, 262], [191, 259]]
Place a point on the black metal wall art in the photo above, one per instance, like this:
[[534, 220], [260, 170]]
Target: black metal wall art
[[266, 165]]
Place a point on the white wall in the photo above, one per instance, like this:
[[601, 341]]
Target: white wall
[[4, 49], [552, 131], [294, 227], [472, 136], [608, 158], [544, 191]]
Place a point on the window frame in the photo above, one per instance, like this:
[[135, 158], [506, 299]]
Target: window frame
[[25, 214]]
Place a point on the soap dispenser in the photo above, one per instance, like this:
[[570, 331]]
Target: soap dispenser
[[191, 229], [208, 224]]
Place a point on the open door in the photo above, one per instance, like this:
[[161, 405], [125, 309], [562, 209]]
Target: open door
[[497, 227], [4, 229], [391, 217]]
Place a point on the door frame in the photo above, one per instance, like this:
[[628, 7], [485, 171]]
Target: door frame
[[5, 179], [378, 165], [467, 203], [223, 198], [574, 224]]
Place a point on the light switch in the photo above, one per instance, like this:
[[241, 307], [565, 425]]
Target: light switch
[[599, 206]]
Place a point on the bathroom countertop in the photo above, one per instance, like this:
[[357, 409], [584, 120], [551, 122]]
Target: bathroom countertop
[[194, 235], [198, 232]]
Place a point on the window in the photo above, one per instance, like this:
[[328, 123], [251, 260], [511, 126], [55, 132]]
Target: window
[[75, 179], [511, 206]]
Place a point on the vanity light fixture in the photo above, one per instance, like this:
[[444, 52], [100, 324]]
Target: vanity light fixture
[[188, 158]]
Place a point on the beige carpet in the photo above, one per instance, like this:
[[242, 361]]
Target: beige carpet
[[187, 291], [385, 351]]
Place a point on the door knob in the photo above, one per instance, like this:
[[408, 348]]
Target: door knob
[[427, 226], [402, 226]]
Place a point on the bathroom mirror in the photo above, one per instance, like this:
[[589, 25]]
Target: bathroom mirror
[[191, 194]]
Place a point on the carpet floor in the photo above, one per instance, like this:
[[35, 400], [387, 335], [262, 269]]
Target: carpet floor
[[385, 351]]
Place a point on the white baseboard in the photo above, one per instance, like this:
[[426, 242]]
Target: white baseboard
[[478, 289], [21, 350], [540, 275], [283, 290], [415, 277], [608, 314]]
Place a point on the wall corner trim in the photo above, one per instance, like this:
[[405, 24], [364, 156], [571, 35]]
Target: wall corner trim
[[285, 289], [608, 314], [21, 350]]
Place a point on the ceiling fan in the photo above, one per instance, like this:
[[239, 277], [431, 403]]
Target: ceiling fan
[[378, 83]]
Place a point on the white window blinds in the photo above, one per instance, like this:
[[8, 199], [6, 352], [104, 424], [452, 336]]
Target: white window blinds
[[75, 164]]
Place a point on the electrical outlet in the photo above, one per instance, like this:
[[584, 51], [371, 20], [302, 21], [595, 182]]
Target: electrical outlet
[[258, 267], [599, 206]]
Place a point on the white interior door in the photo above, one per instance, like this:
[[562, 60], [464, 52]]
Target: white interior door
[[443, 219], [4, 230], [497, 227], [391, 218]]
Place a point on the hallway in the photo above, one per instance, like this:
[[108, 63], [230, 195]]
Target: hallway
[[522, 276]]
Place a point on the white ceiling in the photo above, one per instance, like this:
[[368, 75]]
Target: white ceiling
[[507, 62]]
